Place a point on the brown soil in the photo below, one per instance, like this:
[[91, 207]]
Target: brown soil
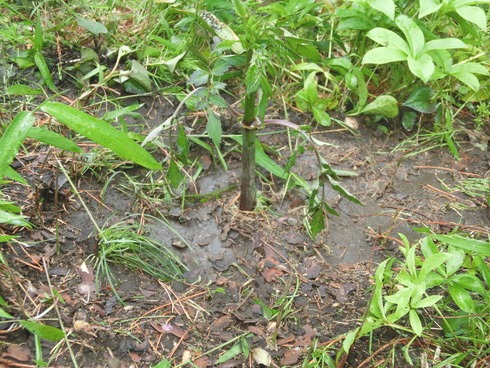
[[242, 267]]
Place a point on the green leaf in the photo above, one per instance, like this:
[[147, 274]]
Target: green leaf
[[23, 90], [383, 55], [182, 144], [92, 26], [213, 127], [163, 364], [383, 105], [139, 74], [468, 244], [234, 351], [174, 175], [413, 34], [14, 175], [431, 263], [422, 68], [408, 119], [344, 192], [43, 331], [444, 44], [419, 100], [13, 137], [386, 7], [462, 298], [54, 139], [198, 78], [427, 302], [473, 14], [427, 7], [12, 219], [321, 116], [102, 133], [415, 322], [316, 222], [389, 39], [4, 314], [469, 282], [44, 70], [455, 262]]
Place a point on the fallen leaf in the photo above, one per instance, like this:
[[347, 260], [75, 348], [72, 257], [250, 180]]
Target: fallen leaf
[[17, 352], [291, 357], [135, 357], [221, 323], [261, 357]]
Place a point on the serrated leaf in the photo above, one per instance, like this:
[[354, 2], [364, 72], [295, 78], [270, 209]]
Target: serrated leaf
[[383, 105], [43, 331], [13, 137], [92, 26], [102, 133], [53, 139], [174, 175], [213, 127], [198, 78]]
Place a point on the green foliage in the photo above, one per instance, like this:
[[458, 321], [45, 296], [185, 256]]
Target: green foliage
[[448, 277]]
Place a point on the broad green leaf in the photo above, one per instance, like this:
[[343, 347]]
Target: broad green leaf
[[419, 100], [44, 70], [427, 302], [474, 68], [102, 133], [43, 331], [386, 7], [53, 139], [344, 192], [415, 322], [321, 116], [423, 67], [213, 127], [222, 30], [174, 175], [469, 282], [473, 14], [349, 340], [23, 90], [444, 44], [383, 105], [462, 298], [92, 26], [13, 137], [455, 262], [431, 263], [467, 78], [468, 244], [128, 110], [413, 34], [139, 74], [198, 77], [316, 222], [163, 363], [182, 143], [38, 35], [389, 39], [427, 7], [383, 55]]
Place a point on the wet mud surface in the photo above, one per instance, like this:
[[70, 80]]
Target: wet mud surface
[[253, 277]]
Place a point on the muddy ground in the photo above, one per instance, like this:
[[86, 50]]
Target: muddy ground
[[252, 275]]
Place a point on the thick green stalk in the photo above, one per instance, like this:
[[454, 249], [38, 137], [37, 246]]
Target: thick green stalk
[[247, 189]]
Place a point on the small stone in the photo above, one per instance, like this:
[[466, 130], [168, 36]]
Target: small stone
[[178, 244], [292, 221]]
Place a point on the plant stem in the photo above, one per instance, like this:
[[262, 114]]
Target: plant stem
[[247, 189]]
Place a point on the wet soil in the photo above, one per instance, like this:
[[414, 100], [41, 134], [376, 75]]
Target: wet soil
[[252, 278]]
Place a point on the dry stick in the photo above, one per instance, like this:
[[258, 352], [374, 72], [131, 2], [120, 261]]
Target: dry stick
[[183, 337], [171, 303], [464, 173]]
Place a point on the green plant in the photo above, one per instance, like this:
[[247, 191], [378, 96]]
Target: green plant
[[447, 279], [125, 244]]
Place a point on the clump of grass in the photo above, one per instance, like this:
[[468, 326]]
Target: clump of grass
[[126, 244]]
